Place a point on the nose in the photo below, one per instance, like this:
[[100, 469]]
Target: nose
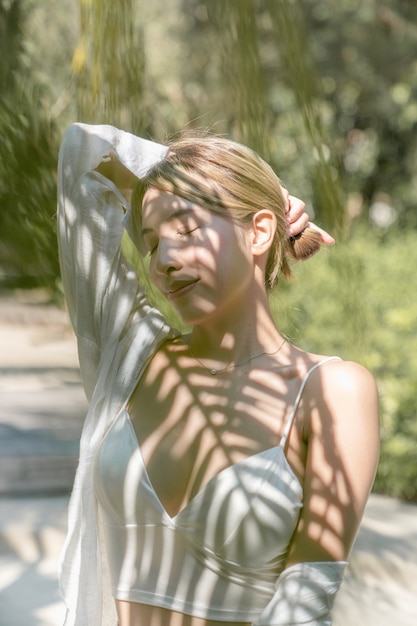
[[167, 259]]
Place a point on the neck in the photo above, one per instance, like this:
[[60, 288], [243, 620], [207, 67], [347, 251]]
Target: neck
[[244, 333]]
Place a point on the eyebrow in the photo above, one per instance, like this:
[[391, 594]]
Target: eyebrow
[[174, 215]]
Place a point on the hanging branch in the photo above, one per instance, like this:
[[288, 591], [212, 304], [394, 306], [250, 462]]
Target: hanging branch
[[108, 65], [243, 78], [292, 42]]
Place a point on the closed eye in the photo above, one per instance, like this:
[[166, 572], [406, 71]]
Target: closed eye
[[186, 233], [183, 233]]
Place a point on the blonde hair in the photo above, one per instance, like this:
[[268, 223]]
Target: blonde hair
[[228, 177]]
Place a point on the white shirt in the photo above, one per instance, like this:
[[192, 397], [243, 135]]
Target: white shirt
[[117, 332]]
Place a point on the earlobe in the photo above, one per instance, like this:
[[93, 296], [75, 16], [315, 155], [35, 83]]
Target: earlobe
[[264, 225]]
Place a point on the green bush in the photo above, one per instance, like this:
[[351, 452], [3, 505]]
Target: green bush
[[28, 249]]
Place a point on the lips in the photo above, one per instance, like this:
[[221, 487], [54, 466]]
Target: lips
[[179, 288]]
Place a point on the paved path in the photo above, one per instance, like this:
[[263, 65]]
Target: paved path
[[41, 411], [42, 404], [39, 433], [31, 535]]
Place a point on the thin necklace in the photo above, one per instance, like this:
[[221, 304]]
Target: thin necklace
[[213, 371]]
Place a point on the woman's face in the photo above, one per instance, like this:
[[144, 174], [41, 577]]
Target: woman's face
[[200, 261]]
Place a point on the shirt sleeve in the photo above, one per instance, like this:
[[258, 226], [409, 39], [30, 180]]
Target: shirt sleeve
[[100, 286], [304, 594]]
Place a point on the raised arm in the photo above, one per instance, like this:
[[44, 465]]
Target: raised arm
[[100, 287]]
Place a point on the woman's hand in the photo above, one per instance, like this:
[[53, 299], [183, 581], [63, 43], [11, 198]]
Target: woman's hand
[[298, 219], [115, 171]]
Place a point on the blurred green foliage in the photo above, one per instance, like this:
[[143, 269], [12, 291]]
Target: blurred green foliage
[[325, 90], [27, 161]]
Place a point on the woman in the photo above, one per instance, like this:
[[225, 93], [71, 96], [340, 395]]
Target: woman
[[223, 472]]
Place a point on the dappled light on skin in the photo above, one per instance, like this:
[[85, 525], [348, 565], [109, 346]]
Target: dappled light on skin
[[335, 507], [180, 474], [188, 244]]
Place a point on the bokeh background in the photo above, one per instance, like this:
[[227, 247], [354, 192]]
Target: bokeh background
[[325, 90]]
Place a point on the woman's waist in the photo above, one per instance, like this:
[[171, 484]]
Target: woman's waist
[[141, 614]]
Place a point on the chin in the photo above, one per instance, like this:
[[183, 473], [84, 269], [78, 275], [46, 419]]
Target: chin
[[195, 317]]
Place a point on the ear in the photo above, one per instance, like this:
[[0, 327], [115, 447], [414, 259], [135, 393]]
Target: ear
[[264, 224]]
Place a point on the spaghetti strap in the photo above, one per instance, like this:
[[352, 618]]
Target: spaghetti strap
[[290, 421]]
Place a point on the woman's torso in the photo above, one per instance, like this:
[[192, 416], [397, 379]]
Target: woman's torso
[[192, 427]]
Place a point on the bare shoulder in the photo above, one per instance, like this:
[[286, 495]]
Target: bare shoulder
[[344, 392], [337, 376]]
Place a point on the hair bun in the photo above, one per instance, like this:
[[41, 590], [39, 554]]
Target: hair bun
[[305, 244]]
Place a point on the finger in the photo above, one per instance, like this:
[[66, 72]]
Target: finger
[[325, 236], [295, 206], [298, 225], [285, 195], [298, 220], [296, 216]]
